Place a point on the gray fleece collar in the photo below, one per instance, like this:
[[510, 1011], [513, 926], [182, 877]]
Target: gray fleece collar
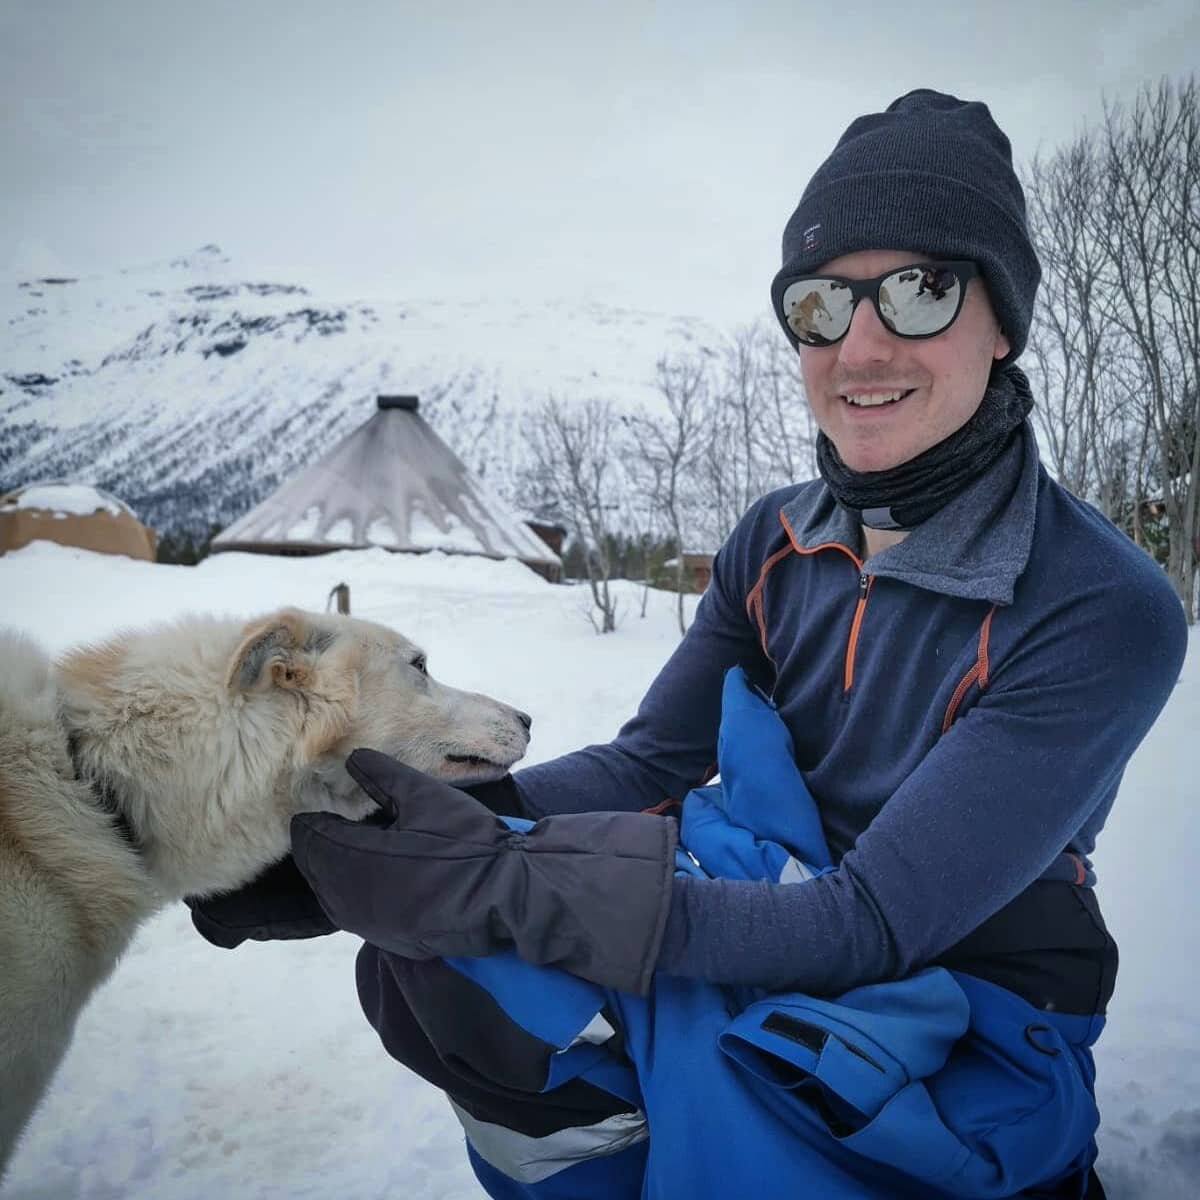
[[976, 547]]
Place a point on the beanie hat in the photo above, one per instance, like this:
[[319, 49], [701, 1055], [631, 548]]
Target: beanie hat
[[933, 174]]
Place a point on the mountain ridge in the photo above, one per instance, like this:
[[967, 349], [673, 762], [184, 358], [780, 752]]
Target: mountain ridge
[[192, 393]]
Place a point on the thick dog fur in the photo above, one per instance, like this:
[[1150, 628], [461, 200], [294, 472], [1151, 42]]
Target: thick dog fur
[[209, 735]]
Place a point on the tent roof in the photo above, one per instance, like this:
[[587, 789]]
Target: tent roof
[[391, 483]]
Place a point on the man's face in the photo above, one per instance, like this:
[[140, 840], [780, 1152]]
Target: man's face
[[941, 380]]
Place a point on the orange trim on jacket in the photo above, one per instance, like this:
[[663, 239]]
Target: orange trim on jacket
[[1080, 872], [754, 601], [977, 674], [864, 592], [866, 582]]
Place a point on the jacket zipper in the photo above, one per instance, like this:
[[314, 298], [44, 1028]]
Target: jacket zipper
[[865, 583], [864, 590]]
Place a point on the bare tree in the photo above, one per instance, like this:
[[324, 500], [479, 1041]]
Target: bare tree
[[761, 432], [573, 449], [730, 465], [665, 452], [1149, 211], [1068, 343], [789, 431], [1116, 343], [735, 425]]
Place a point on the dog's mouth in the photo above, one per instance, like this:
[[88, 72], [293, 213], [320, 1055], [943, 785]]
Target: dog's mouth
[[465, 769], [474, 760]]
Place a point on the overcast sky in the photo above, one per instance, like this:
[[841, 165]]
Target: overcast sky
[[633, 152]]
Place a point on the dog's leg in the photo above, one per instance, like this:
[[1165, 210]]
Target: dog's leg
[[45, 980]]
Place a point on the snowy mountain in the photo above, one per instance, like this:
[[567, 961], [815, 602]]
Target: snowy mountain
[[192, 393]]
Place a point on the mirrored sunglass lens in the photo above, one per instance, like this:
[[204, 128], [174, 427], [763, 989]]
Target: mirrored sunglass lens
[[817, 310], [920, 300]]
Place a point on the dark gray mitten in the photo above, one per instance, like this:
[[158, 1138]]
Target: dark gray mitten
[[443, 877], [278, 904]]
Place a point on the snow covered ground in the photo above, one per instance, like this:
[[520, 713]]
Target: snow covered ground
[[199, 1073]]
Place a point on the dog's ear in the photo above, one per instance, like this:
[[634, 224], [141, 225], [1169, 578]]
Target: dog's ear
[[276, 652]]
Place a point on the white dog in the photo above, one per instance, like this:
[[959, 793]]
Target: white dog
[[169, 763]]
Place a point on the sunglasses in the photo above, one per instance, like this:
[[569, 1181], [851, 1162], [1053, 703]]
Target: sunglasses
[[917, 301]]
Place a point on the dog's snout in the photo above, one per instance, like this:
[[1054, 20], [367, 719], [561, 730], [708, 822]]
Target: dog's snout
[[524, 718]]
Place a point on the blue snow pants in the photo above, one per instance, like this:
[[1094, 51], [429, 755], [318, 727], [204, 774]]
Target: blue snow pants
[[937, 1085]]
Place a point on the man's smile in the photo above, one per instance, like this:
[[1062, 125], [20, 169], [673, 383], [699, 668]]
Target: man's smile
[[876, 399]]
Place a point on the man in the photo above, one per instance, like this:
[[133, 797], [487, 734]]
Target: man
[[964, 657]]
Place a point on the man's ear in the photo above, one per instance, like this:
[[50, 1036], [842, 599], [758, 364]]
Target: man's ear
[[1002, 346], [274, 652]]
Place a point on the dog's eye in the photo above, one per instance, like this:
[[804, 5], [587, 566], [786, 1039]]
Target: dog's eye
[[419, 663]]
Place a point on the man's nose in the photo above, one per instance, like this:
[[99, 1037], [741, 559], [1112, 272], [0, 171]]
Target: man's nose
[[868, 339]]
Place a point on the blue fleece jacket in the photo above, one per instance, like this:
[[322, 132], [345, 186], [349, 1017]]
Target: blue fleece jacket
[[962, 704]]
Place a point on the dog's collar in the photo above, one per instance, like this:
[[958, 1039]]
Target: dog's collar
[[104, 794]]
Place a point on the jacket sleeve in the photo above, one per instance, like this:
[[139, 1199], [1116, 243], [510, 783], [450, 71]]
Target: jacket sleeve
[[669, 746], [990, 807]]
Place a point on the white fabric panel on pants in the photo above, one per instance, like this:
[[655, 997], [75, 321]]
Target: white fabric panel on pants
[[530, 1160]]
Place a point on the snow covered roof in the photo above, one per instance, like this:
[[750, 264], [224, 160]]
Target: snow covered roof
[[72, 514], [391, 483], [60, 496]]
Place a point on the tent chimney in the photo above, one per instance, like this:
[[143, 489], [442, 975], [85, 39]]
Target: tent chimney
[[408, 403]]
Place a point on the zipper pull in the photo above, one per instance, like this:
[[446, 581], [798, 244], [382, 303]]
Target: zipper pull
[[864, 582]]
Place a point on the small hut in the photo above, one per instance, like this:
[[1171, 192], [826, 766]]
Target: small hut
[[549, 530], [73, 514], [697, 571], [391, 483]]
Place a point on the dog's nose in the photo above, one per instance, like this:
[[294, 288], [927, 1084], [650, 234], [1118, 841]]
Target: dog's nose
[[524, 718]]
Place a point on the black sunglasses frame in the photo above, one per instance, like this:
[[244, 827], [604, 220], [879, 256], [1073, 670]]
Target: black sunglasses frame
[[868, 289]]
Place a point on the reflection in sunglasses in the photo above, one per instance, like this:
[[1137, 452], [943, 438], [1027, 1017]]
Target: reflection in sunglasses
[[803, 314], [938, 282], [920, 300]]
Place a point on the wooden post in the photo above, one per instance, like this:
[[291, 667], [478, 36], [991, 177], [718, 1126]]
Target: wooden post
[[342, 592]]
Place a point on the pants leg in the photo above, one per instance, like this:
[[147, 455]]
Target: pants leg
[[618, 1175], [572, 1141], [541, 1127]]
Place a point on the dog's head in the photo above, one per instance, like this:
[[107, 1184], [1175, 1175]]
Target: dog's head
[[347, 683]]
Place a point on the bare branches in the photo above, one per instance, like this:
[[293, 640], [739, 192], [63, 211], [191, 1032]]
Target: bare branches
[[1116, 219], [665, 452], [1151, 207], [732, 424], [1068, 343], [573, 451]]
